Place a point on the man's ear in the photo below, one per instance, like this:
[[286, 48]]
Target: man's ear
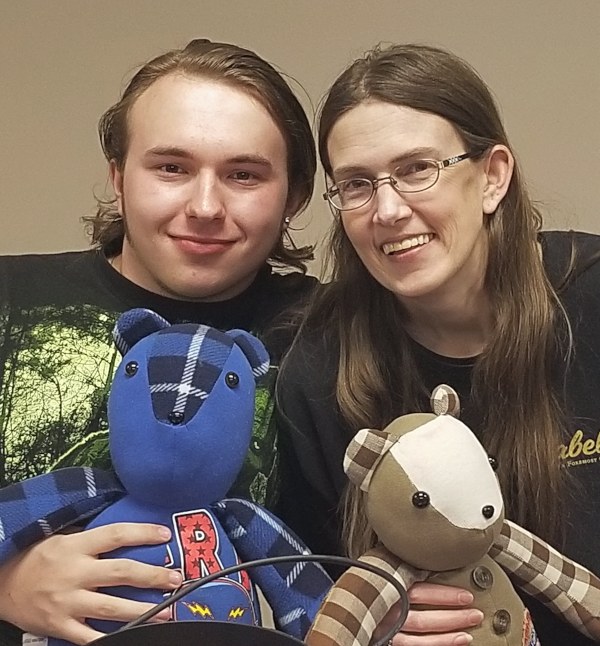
[[291, 208], [499, 165], [116, 179]]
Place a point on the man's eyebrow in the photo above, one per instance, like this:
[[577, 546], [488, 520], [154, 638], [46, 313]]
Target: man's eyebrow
[[181, 153], [258, 159], [168, 151], [423, 152]]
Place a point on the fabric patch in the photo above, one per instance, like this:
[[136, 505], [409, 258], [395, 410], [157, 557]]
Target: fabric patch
[[183, 368]]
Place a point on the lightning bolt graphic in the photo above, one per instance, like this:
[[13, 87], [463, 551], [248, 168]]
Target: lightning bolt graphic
[[197, 609], [236, 613]]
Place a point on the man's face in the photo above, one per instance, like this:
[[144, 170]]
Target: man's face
[[203, 190]]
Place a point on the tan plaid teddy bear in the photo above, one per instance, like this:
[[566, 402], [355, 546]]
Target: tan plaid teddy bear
[[434, 501]]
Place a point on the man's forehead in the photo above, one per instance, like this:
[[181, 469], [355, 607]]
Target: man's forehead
[[183, 114]]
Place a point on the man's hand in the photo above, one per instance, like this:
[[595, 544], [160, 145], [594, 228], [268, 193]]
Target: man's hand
[[50, 589]]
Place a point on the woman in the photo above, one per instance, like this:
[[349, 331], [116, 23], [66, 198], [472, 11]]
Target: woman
[[440, 275]]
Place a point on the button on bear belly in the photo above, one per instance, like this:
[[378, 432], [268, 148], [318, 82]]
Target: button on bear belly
[[482, 577]]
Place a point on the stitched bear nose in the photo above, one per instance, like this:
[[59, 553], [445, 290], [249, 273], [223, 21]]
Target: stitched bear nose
[[488, 511], [175, 417]]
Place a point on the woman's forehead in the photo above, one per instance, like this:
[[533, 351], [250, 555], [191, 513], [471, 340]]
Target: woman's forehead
[[376, 132]]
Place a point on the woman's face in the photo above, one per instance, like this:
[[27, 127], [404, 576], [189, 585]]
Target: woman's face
[[421, 246]]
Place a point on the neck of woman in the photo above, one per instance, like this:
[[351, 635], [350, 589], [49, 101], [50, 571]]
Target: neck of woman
[[456, 327]]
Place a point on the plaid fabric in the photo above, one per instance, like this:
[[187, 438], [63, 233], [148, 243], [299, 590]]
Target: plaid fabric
[[41, 506], [294, 591], [259, 362], [364, 451], [184, 364], [360, 600], [568, 589], [134, 325], [184, 361]]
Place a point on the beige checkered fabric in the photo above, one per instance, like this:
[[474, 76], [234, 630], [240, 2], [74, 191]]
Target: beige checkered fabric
[[567, 588], [365, 450], [359, 601]]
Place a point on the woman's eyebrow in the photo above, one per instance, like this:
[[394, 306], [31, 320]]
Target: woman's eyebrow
[[422, 152]]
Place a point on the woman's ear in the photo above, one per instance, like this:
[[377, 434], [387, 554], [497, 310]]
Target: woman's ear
[[116, 179], [499, 165]]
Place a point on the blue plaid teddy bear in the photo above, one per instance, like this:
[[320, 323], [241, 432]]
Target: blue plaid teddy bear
[[180, 413]]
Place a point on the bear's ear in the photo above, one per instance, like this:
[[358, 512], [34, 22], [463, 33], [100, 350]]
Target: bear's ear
[[363, 455], [134, 325], [255, 351]]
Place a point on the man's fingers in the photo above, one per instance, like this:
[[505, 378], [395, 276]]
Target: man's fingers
[[115, 572], [78, 632], [96, 605], [107, 538]]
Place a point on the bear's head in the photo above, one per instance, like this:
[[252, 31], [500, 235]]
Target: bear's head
[[181, 408]]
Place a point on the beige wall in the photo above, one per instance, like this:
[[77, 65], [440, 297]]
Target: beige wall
[[63, 63]]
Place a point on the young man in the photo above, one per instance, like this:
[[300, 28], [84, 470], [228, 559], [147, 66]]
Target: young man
[[210, 156]]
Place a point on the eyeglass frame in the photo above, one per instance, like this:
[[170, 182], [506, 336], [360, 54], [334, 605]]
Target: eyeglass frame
[[376, 183]]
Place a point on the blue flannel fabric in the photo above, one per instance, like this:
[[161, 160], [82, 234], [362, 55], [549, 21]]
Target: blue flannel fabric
[[134, 325], [183, 365], [260, 364], [39, 507], [295, 591]]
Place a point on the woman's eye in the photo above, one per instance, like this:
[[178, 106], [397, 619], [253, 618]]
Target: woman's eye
[[354, 185], [416, 167]]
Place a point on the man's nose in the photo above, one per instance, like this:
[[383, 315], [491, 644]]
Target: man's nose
[[205, 198]]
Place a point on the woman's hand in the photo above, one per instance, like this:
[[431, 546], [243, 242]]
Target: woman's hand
[[51, 588], [444, 627]]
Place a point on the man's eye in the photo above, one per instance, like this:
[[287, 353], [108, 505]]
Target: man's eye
[[171, 169], [244, 176]]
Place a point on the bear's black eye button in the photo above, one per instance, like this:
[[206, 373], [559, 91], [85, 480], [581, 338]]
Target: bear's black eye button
[[493, 462], [231, 379], [488, 511], [131, 368], [420, 499], [176, 417]]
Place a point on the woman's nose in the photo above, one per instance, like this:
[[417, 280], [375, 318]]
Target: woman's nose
[[390, 206]]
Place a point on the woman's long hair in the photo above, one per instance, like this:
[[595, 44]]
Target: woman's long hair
[[514, 380]]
